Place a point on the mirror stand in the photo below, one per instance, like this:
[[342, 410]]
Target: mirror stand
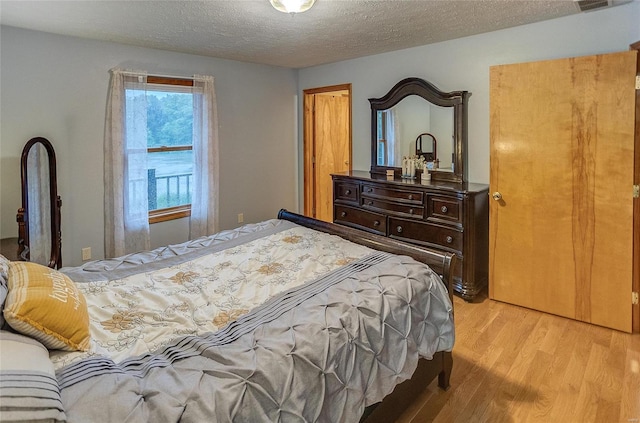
[[429, 156], [39, 217]]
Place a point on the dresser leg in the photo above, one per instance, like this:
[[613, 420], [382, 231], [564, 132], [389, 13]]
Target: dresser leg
[[467, 291]]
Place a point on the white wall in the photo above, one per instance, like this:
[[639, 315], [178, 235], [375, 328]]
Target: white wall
[[463, 64], [56, 87]]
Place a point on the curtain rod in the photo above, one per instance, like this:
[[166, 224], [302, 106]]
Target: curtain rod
[[139, 73], [191, 78]]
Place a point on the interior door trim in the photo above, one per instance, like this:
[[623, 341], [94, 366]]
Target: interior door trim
[[308, 140]]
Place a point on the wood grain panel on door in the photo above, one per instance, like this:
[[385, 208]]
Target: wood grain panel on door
[[562, 151], [332, 148]]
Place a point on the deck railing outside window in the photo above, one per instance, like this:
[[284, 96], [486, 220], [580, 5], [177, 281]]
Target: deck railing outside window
[[168, 190]]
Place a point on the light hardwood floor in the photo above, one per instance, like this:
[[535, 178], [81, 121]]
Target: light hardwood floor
[[517, 365]]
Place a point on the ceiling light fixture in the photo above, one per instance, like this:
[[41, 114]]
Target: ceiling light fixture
[[292, 6]]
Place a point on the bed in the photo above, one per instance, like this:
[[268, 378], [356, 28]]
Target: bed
[[287, 320]]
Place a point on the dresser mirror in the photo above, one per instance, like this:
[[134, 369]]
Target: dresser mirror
[[401, 118], [39, 236]]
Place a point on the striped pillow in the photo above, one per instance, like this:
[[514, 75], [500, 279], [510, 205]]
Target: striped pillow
[[29, 390], [46, 305]]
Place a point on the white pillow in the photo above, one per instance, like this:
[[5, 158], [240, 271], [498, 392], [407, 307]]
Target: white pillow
[[29, 390]]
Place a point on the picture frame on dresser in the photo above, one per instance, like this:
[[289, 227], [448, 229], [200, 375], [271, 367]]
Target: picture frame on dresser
[[446, 212]]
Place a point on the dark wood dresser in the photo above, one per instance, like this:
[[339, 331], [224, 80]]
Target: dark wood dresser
[[443, 215]]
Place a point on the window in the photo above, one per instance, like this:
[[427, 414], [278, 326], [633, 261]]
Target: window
[[382, 137], [169, 126], [148, 121]]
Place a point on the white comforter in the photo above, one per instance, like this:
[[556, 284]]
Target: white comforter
[[141, 312]]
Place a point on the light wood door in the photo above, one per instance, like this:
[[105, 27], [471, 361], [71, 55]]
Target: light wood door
[[327, 146], [562, 149]]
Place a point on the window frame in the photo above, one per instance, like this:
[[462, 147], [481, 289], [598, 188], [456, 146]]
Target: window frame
[[175, 212]]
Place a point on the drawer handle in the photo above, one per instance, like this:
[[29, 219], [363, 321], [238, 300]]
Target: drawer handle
[[348, 192], [343, 214], [444, 209], [370, 203], [369, 189], [449, 239], [410, 211], [376, 223], [399, 229], [410, 197]]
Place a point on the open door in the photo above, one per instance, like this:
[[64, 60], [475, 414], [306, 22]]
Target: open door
[[562, 173], [327, 145]]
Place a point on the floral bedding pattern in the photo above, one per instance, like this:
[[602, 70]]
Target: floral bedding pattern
[[142, 312]]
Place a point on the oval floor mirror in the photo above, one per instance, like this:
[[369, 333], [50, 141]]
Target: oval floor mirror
[[39, 235]]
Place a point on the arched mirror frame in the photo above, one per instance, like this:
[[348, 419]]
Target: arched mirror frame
[[417, 86], [55, 260]]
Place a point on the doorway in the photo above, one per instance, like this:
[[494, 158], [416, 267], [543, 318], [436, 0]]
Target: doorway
[[327, 145]]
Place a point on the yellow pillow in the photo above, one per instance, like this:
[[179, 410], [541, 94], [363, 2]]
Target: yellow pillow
[[46, 305]]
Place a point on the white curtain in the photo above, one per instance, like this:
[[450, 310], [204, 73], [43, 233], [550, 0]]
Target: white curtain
[[204, 200], [126, 225], [394, 149], [39, 209]]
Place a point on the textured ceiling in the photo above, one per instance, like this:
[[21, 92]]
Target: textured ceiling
[[252, 31]]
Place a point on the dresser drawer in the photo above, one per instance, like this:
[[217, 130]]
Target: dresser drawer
[[444, 209], [346, 191], [362, 219], [426, 233], [405, 210], [408, 196]]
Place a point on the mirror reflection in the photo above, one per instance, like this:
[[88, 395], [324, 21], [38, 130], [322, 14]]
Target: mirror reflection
[[39, 210], [413, 127]]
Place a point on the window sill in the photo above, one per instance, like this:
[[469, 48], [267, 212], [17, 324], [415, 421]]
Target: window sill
[[170, 213]]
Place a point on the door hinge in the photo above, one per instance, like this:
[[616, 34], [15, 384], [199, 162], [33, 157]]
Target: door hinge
[[637, 82], [636, 191], [634, 298]]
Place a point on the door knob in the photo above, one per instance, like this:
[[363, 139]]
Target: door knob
[[497, 196]]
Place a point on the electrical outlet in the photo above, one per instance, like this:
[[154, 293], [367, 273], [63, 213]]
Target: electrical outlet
[[240, 217], [86, 253]]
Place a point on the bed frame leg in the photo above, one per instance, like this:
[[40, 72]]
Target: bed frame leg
[[445, 374]]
